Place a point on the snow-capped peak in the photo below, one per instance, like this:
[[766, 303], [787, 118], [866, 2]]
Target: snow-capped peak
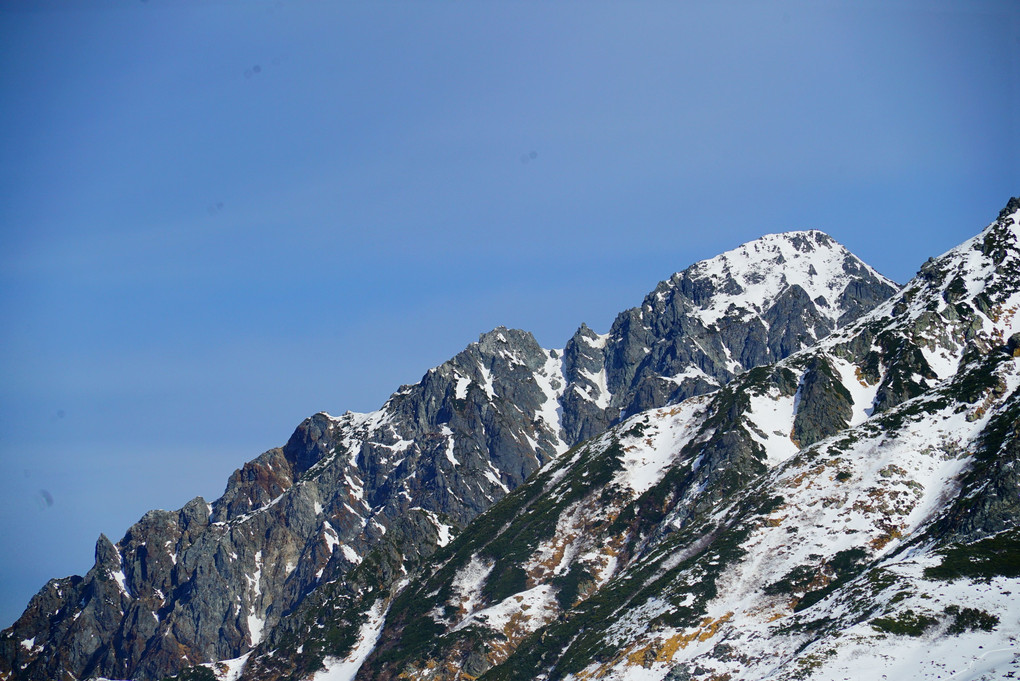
[[751, 277]]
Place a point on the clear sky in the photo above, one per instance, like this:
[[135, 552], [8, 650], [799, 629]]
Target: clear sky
[[219, 217]]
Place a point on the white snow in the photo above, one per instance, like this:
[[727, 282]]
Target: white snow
[[772, 417], [942, 361], [486, 381], [529, 610], [492, 475], [603, 396], [896, 484], [330, 535], [732, 365], [648, 456], [173, 556], [448, 434], [460, 392], [467, 584], [865, 488], [228, 670], [598, 342], [350, 554], [347, 668], [255, 623], [690, 373], [444, 534], [862, 393], [442, 528], [551, 381], [118, 576], [756, 268]]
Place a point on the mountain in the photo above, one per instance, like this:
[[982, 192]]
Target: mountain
[[310, 540], [850, 511]]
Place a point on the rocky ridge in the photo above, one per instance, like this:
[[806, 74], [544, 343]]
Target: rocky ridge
[[851, 509], [307, 538]]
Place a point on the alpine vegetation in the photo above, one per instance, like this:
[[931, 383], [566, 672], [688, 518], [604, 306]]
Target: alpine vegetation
[[780, 465]]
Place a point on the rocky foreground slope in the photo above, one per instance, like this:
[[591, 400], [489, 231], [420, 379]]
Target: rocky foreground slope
[[310, 541]]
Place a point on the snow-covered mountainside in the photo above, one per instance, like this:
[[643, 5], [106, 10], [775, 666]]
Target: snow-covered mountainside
[[293, 567], [850, 511]]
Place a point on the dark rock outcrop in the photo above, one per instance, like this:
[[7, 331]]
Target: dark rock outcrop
[[823, 406]]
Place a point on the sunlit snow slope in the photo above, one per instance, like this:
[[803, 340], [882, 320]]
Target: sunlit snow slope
[[847, 512]]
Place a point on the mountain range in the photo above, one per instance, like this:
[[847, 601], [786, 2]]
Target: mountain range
[[780, 465]]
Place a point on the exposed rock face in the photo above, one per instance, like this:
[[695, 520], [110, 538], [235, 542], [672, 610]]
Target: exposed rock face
[[295, 553], [824, 406], [989, 501]]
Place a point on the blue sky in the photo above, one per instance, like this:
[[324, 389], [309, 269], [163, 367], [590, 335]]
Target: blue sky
[[217, 218]]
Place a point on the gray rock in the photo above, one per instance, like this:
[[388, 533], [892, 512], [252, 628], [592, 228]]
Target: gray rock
[[823, 406]]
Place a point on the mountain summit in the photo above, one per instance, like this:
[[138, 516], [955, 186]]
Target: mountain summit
[[720, 317], [310, 541]]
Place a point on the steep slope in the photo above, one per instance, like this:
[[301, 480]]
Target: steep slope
[[292, 559], [850, 509]]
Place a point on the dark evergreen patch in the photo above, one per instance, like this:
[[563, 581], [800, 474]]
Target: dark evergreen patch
[[906, 623], [509, 580], [992, 557], [970, 619], [825, 404], [842, 567], [976, 379], [569, 585], [796, 580]]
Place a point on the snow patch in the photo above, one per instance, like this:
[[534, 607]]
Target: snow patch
[[492, 475], [350, 554], [330, 536], [255, 623], [690, 373], [228, 670], [486, 381], [527, 611], [598, 380], [649, 455], [551, 382], [766, 268], [862, 393], [118, 576], [771, 416], [460, 391], [467, 584], [448, 434], [443, 530], [347, 668]]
